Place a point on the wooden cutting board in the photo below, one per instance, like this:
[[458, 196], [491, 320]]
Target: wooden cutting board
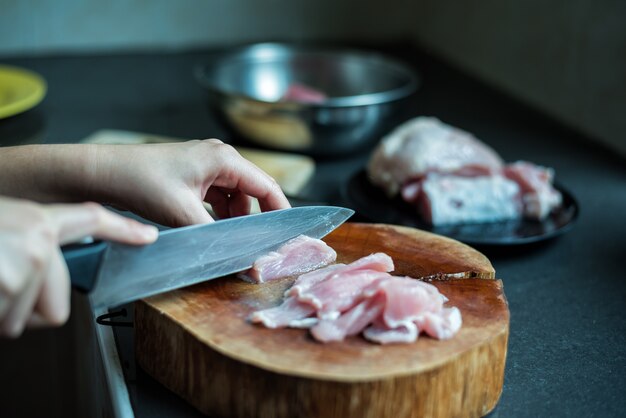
[[197, 342]]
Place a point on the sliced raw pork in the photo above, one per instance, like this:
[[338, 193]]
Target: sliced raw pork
[[382, 334], [378, 262], [352, 322], [340, 292], [441, 325], [299, 255], [343, 300], [291, 313]]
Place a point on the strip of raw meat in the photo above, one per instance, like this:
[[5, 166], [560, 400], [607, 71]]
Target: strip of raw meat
[[311, 278], [407, 300], [382, 334], [413, 306], [291, 313], [377, 262], [441, 325], [299, 255], [351, 322], [340, 292], [424, 145], [538, 194], [451, 199]]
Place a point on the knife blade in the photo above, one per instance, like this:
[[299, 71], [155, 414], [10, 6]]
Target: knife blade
[[114, 274]]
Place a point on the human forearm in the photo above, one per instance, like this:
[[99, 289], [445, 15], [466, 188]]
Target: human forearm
[[49, 173]]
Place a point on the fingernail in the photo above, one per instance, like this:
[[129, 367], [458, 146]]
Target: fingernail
[[149, 233]]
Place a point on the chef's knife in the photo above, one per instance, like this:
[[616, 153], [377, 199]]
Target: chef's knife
[[115, 274]]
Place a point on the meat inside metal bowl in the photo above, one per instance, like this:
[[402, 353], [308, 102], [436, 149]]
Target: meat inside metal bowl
[[318, 101]]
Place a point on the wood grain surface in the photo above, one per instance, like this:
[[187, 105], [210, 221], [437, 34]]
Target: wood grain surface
[[197, 342]]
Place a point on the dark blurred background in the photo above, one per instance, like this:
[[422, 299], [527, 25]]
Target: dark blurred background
[[565, 57]]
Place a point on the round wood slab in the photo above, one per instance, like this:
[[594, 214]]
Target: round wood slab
[[197, 342]]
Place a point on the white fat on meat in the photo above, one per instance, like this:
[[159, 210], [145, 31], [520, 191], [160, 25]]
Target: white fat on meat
[[423, 145], [291, 313], [299, 255], [382, 334], [441, 325], [352, 322], [449, 199]]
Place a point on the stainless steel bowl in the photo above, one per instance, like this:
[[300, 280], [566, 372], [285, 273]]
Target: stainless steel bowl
[[363, 90]]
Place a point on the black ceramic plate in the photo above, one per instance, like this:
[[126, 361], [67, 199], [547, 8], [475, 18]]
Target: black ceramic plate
[[370, 202]]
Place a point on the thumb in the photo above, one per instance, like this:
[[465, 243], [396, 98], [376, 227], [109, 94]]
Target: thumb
[[78, 221]]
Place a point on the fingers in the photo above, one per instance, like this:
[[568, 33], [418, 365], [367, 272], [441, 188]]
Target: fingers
[[44, 301], [228, 203], [192, 211], [239, 204], [75, 222], [219, 202], [34, 281], [37, 321], [256, 183], [53, 304], [239, 174], [21, 306]]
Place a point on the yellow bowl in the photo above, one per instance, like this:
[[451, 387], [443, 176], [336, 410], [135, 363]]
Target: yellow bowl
[[20, 90]]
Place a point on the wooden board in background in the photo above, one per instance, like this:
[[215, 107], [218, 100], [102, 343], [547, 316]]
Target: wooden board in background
[[197, 342]]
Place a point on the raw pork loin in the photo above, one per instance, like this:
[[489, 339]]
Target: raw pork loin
[[452, 177], [297, 256], [343, 300], [423, 145], [539, 197]]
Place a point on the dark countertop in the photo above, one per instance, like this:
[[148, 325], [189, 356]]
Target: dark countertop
[[567, 346]]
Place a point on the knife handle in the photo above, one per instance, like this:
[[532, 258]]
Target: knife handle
[[83, 263]]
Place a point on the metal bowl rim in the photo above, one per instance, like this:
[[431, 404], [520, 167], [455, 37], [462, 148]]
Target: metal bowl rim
[[286, 50]]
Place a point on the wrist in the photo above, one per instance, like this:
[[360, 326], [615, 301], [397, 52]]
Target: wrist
[[52, 173], [69, 173], [89, 162]]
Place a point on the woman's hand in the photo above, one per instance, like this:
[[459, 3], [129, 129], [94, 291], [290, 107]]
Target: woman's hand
[[167, 183], [34, 281]]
